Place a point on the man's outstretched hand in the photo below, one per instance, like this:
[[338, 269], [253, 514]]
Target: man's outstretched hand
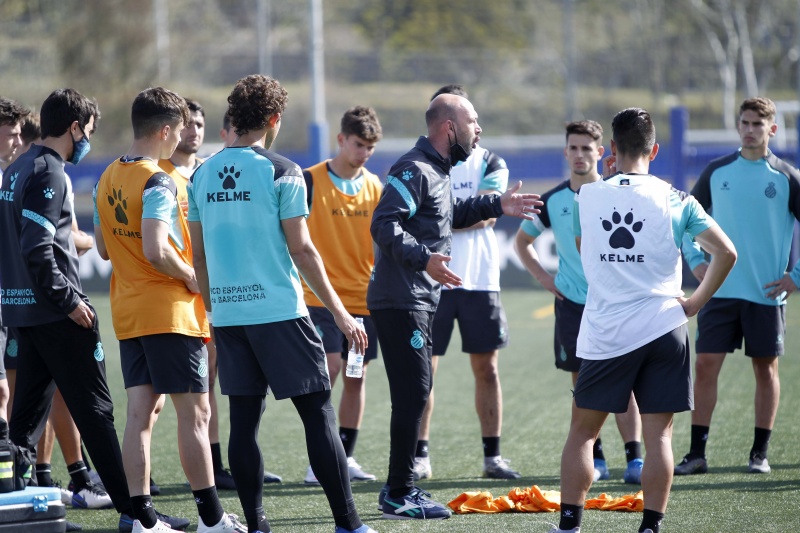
[[519, 205]]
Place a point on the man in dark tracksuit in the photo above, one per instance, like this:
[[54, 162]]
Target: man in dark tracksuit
[[412, 228], [58, 330]]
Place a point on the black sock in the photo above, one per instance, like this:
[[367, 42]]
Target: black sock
[[697, 447], [349, 521], [143, 510], [348, 436], [760, 444], [261, 520], [79, 475], [216, 457], [633, 450], [208, 505], [422, 448], [597, 450], [651, 520], [43, 475], [570, 516], [491, 446]]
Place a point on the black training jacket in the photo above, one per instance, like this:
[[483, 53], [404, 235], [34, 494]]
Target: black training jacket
[[413, 220], [38, 260]]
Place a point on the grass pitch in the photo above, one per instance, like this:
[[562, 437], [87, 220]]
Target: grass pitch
[[537, 402]]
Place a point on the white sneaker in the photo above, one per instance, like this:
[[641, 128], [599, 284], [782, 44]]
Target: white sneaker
[[160, 527], [229, 524], [422, 468], [310, 478], [92, 497], [356, 472], [758, 464]]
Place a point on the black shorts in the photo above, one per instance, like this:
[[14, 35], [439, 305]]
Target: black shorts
[[658, 373], [481, 321], [565, 335], [170, 362], [334, 341], [723, 323], [286, 356]]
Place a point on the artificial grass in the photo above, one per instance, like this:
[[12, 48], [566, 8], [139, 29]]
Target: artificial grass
[[537, 402]]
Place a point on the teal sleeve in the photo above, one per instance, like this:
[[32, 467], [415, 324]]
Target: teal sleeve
[[95, 213], [496, 181], [291, 192], [158, 203], [694, 220], [533, 228], [194, 214]]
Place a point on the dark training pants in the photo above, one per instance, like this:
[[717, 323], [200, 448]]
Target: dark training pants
[[325, 453], [65, 355], [406, 345]]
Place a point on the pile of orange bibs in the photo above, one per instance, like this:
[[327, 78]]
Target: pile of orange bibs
[[535, 500]]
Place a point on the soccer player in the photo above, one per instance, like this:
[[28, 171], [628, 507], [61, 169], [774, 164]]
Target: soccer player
[[633, 334], [342, 194], [750, 305], [477, 308], [412, 228], [583, 151], [263, 333], [158, 314], [57, 326]]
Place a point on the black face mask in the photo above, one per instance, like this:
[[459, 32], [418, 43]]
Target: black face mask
[[457, 152]]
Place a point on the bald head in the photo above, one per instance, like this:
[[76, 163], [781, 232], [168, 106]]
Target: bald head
[[452, 119]]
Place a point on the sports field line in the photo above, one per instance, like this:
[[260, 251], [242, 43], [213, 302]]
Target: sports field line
[[543, 312]]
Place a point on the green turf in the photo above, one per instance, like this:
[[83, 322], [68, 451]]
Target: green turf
[[537, 408]]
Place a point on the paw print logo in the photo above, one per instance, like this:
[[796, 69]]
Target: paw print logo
[[622, 236], [406, 175], [13, 179], [48, 193], [119, 204], [164, 181], [227, 175], [770, 191], [416, 339]]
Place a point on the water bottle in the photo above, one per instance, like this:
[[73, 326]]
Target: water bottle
[[355, 360]]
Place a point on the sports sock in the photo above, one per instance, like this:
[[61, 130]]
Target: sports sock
[[263, 523], [651, 520], [208, 505], [79, 475], [422, 448], [216, 457], [43, 475], [570, 516], [597, 450], [633, 450], [698, 442], [491, 446], [349, 521], [143, 510], [760, 443], [348, 436]]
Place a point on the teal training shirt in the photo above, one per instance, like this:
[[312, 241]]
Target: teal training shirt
[[240, 196], [557, 214], [755, 203]]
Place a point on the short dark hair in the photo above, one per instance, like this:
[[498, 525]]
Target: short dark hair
[[155, 107], [764, 107], [453, 88], [195, 107], [586, 127], [226, 121], [30, 128], [253, 101], [363, 123], [11, 113], [439, 112], [634, 132], [62, 108]]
